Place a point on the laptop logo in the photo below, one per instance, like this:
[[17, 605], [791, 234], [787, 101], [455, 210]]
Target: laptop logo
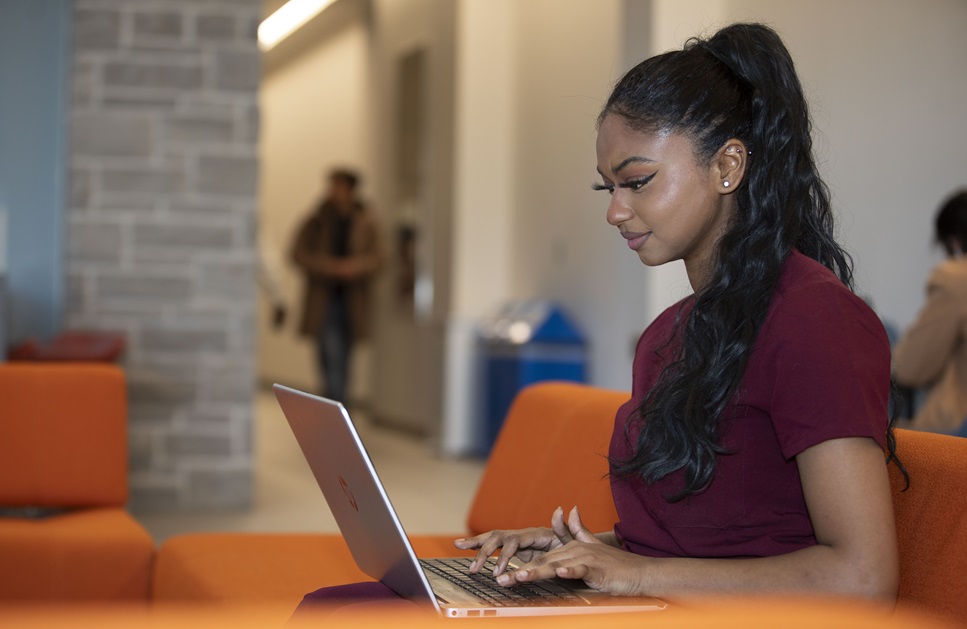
[[349, 494]]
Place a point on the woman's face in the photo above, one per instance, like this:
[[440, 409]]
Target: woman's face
[[665, 203]]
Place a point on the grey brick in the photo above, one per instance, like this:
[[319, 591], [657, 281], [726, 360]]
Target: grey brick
[[96, 30], [230, 280], [164, 25], [151, 181], [126, 98], [154, 497], [89, 240], [228, 175], [199, 129], [148, 288], [76, 292], [219, 416], [215, 27], [153, 75], [183, 340], [231, 385], [183, 236], [220, 489], [198, 444], [156, 392], [202, 208], [111, 134], [80, 187], [250, 124], [238, 70]]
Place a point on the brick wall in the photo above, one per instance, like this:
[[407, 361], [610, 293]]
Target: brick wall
[[161, 231]]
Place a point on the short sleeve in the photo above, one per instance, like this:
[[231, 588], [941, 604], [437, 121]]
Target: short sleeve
[[832, 368]]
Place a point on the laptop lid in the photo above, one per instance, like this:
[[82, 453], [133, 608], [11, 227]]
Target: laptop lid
[[351, 487]]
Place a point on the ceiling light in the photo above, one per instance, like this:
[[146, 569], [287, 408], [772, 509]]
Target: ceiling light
[[289, 18]]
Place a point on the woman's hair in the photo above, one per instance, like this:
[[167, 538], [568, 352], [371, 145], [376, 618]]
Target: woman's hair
[[740, 83], [952, 223]]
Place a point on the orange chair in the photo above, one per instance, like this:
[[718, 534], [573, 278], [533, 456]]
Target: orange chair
[[64, 533], [546, 425], [562, 432], [931, 521]]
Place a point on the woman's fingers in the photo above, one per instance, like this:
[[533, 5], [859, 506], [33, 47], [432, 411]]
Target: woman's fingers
[[560, 527], [577, 529]]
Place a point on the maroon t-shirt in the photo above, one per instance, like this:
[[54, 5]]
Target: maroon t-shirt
[[819, 370]]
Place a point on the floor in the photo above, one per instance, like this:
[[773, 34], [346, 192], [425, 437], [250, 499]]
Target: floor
[[430, 494]]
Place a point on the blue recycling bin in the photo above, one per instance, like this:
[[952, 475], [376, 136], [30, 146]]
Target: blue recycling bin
[[524, 343]]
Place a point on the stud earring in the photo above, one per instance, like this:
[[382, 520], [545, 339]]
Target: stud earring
[[725, 183]]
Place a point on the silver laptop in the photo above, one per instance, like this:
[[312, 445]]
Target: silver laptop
[[379, 546]]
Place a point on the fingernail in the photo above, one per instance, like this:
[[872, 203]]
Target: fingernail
[[503, 579]]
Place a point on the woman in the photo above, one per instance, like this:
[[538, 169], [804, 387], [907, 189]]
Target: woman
[[933, 351], [751, 456]]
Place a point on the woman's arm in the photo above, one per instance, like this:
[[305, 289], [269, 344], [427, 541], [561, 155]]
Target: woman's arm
[[847, 492], [920, 355]]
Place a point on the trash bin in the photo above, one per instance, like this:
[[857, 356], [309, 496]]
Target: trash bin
[[526, 342]]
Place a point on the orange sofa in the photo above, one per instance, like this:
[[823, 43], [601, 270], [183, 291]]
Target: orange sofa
[[64, 532], [559, 434]]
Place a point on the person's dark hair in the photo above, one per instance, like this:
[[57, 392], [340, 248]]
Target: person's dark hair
[[348, 177], [740, 83], [952, 223]]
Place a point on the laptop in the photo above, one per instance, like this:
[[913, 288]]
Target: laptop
[[379, 546]]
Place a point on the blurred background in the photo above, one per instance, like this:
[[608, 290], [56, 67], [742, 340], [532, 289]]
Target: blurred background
[[155, 163]]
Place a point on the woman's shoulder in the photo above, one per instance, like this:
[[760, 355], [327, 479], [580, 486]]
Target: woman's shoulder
[[809, 295]]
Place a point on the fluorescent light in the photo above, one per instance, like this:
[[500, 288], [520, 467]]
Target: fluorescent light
[[290, 17]]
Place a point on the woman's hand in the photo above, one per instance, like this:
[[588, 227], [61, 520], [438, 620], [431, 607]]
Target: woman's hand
[[601, 566], [526, 544]]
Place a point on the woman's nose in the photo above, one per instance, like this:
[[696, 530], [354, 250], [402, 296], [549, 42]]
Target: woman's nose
[[618, 210]]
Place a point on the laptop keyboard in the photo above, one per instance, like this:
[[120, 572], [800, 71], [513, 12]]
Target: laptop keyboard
[[484, 586]]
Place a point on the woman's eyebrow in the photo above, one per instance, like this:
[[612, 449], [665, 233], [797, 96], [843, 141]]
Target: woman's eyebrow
[[634, 159]]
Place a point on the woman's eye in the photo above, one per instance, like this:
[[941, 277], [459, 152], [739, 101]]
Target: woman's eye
[[600, 186], [637, 184]]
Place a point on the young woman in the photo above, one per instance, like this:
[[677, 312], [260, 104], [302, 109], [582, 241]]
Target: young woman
[[752, 454]]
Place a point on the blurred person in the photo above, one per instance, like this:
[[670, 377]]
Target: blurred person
[[932, 352], [338, 250], [751, 456]]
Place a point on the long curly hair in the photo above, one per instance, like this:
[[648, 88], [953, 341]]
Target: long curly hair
[[740, 83]]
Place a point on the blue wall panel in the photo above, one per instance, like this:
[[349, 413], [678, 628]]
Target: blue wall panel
[[34, 72]]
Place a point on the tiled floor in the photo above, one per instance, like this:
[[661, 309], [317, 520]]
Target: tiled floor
[[430, 494]]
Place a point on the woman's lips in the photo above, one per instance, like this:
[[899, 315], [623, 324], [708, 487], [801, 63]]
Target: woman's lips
[[635, 241]]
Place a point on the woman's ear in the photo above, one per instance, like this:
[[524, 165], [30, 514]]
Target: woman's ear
[[729, 165]]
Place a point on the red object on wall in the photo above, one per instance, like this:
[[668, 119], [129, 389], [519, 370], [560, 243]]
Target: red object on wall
[[75, 345]]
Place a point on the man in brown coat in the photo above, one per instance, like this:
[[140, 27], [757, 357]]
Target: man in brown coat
[[338, 250]]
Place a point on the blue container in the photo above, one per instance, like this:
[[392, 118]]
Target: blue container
[[527, 342]]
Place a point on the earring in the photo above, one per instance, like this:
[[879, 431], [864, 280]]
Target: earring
[[725, 183]]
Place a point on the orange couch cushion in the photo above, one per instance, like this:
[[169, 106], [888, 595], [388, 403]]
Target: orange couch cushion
[[96, 554], [931, 521], [728, 614], [263, 567], [63, 435], [551, 452]]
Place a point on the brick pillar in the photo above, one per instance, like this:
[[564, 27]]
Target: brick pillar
[[161, 231]]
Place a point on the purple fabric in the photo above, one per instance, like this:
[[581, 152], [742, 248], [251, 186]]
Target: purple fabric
[[819, 370], [346, 598]]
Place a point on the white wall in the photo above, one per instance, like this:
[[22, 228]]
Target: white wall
[[570, 54], [314, 116]]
